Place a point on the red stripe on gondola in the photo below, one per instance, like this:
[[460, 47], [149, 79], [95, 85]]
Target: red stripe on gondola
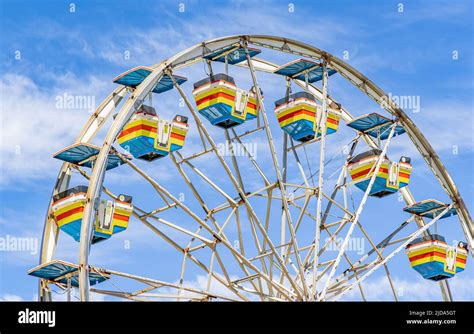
[[421, 256], [295, 113], [214, 96], [366, 171], [70, 212], [120, 217], [434, 253], [333, 121], [307, 112], [177, 136], [137, 128]]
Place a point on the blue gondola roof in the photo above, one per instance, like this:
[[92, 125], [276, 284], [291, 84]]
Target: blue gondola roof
[[430, 208], [79, 152], [381, 124], [135, 76], [293, 70], [233, 57], [56, 270]]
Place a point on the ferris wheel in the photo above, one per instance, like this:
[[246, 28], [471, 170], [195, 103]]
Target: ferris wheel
[[272, 227]]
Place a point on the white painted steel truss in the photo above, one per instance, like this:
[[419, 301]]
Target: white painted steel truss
[[268, 259]]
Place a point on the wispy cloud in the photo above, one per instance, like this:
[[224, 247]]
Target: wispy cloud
[[413, 289], [33, 127], [11, 298]]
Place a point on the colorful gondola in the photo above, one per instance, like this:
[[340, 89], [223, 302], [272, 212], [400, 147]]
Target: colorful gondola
[[391, 176], [148, 137], [222, 103], [113, 216], [434, 259], [299, 115]]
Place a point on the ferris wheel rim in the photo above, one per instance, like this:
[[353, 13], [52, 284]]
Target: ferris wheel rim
[[186, 58]]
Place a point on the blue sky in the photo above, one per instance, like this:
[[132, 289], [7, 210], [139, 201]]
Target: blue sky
[[425, 51]]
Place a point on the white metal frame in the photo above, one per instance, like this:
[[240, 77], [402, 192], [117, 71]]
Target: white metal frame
[[276, 258]]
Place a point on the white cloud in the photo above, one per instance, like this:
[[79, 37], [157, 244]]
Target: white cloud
[[11, 298], [446, 123], [33, 128], [144, 45], [419, 289]]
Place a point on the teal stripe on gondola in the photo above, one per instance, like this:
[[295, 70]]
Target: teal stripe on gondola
[[141, 146], [220, 114], [433, 270], [379, 188], [73, 229], [299, 130]]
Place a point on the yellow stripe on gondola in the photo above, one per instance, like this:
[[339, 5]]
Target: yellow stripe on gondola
[[120, 223], [296, 118], [251, 110], [433, 248], [427, 260], [296, 108], [404, 179], [176, 140], [334, 117], [214, 90], [181, 132], [68, 207], [425, 250], [141, 121], [138, 133], [368, 166], [334, 125], [381, 174], [123, 212], [219, 99], [203, 96], [460, 265], [214, 100], [104, 231], [69, 219]]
